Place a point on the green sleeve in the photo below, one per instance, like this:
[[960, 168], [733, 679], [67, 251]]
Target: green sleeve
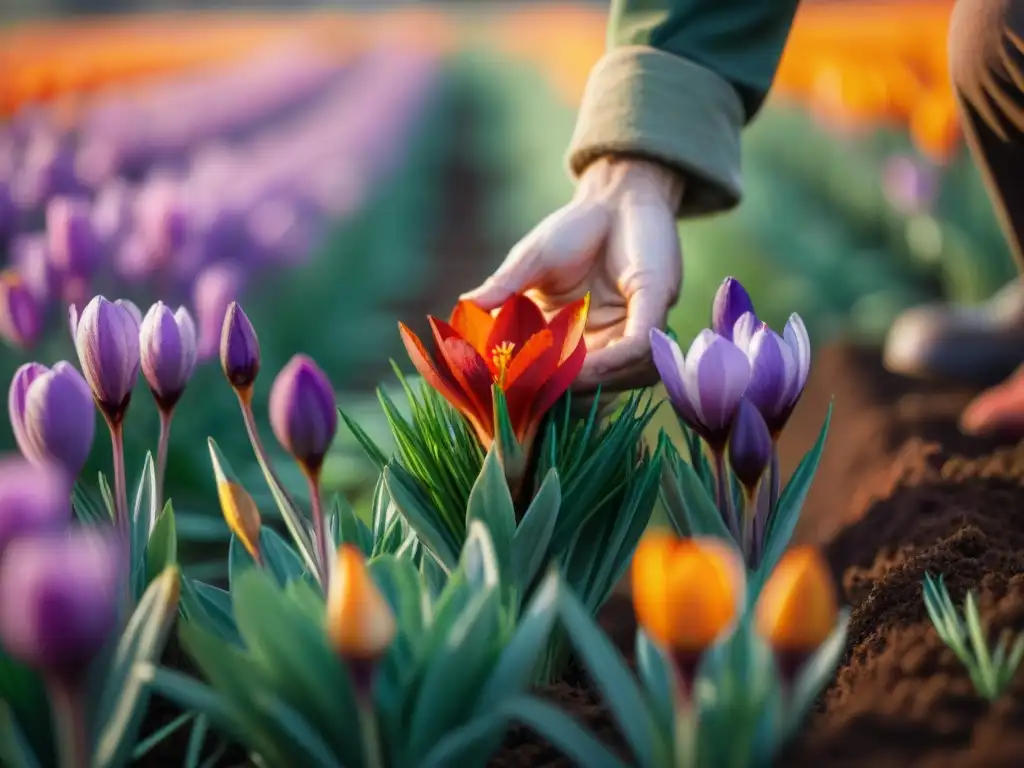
[[680, 80]]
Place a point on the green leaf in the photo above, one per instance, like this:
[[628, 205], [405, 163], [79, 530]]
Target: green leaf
[[108, 496], [611, 675], [479, 561], [509, 453], [656, 672], [14, 748], [280, 558], [374, 453], [351, 530], [691, 510], [125, 697], [490, 502], [210, 608], [297, 662], [400, 584], [563, 732], [144, 512], [518, 661], [470, 744], [89, 508], [531, 543], [192, 695], [787, 511], [293, 520], [162, 548], [815, 675], [152, 741], [455, 671], [421, 515]]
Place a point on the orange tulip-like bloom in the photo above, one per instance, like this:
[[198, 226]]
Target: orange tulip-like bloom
[[242, 515], [797, 608], [360, 624], [531, 360], [686, 592]]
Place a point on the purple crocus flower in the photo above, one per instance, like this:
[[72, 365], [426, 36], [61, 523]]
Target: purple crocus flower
[[107, 340], [303, 412], [33, 499], [215, 288], [74, 245], [59, 600], [30, 257], [704, 387], [779, 366], [239, 349], [51, 411], [21, 316], [168, 350], [731, 302], [750, 445]]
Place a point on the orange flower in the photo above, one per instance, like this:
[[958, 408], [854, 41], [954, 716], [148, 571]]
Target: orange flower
[[360, 624], [686, 592], [797, 608], [531, 360]]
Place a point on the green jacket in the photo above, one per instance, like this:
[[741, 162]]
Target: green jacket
[[679, 82]]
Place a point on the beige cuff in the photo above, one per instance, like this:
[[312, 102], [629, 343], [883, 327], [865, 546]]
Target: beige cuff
[[643, 102]]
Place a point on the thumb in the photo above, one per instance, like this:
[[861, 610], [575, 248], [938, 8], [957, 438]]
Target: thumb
[[549, 257]]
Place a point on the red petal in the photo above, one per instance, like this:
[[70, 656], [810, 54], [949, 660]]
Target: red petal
[[474, 378], [527, 373], [439, 378], [557, 384], [568, 327], [517, 320], [474, 325]]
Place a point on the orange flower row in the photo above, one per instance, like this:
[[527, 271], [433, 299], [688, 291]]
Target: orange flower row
[[688, 593], [43, 62]]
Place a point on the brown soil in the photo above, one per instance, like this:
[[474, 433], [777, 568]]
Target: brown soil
[[900, 492]]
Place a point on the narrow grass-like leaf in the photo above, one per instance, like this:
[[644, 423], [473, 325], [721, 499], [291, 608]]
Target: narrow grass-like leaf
[[490, 502], [162, 547], [531, 542]]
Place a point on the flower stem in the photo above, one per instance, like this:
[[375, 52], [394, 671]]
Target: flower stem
[[749, 523], [319, 531], [161, 455], [775, 483], [257, 446], [71, 725], [685, 723], [121, 521], [372, 755], [725, 501]]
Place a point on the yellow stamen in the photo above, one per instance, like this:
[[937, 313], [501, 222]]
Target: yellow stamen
[[502, 356]]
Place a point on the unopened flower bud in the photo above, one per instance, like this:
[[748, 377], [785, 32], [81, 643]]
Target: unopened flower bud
[[241, 514], [239, 349], [731, 301], [107, 340], [360, 624], [21, 317], [33, 500], [687, 593], [74, 246], [167, 342], [303, 412], [750, 445], [797, 608], [59, 599], [52, 416]]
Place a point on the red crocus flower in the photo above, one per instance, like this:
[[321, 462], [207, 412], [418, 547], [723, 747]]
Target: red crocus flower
[[531, 360]]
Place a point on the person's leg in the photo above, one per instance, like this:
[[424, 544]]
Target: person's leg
[[986, 63]]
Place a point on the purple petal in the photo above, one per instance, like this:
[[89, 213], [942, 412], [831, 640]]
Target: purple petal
[[716, 378], [33, 499], [60, 420], [23, 378], [303, 412], [731, 302], [795, 335], [668, 359], [773, 370]]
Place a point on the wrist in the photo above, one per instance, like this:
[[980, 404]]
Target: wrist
[[618, 176]]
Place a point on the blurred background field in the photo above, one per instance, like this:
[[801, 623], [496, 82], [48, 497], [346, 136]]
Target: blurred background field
[[340, 169]]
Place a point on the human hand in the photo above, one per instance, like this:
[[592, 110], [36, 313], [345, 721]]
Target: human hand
[[617, 240]]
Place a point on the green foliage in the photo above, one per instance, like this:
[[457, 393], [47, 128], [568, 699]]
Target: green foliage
[[584, 503], [438, 696], [736, 713], [990, 670]]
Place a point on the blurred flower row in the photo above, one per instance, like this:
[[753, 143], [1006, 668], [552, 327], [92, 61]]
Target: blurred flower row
[[184, 188]]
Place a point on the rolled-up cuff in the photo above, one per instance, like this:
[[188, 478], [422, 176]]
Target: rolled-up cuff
[[643, 102]]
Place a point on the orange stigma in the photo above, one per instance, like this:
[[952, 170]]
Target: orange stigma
[[501, 357]]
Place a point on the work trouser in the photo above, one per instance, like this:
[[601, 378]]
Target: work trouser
[[986, 61]]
